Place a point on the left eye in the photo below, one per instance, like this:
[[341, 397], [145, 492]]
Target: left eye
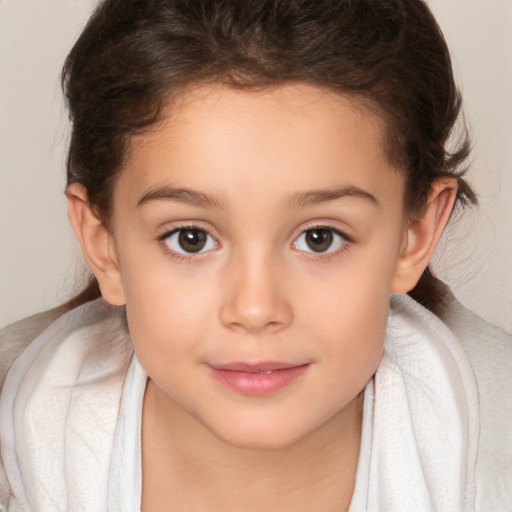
[[319, 240], [190, 241]]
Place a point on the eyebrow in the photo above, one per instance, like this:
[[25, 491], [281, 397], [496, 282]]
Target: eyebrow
[[297, 200], [181, 195], [313, 197]]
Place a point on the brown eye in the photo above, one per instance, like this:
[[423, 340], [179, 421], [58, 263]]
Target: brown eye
[[190, 241], [319, 240]]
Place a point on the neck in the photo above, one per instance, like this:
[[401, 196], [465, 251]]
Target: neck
[[187, 464]]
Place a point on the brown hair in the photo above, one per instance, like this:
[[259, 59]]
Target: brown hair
[[390, 54]]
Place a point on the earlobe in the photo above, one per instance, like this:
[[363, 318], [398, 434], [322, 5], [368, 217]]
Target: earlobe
[[423, 234], [97, 244]]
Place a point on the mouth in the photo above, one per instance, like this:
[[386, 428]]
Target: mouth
[[258, 379]]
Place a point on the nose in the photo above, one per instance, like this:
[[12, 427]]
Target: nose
[[255, 299]]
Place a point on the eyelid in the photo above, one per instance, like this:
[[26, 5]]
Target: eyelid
[[324, 224], [179, 255], [346, 239], [170, 227]]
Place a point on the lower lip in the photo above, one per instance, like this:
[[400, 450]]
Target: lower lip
[[259, 383]]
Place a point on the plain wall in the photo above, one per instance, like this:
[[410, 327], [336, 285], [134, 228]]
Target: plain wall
[[39, 259]]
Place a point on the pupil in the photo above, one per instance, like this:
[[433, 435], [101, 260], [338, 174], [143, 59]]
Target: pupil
[[319, 240], [192, 240]]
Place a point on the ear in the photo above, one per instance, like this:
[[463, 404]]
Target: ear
[[97, 244], [423, 234]]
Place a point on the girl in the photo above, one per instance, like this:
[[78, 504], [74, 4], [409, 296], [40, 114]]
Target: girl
[[258, 188]]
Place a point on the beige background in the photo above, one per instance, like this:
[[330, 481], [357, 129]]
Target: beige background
[[39, 260]]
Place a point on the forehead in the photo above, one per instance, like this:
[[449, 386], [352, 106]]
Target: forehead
[[295, 136], [283, 106]]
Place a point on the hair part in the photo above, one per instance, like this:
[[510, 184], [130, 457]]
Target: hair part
[[390, 55]]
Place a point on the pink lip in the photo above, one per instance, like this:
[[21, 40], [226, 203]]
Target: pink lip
[[258, 379]]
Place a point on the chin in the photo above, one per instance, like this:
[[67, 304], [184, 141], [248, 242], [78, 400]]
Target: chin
[[260, 437]]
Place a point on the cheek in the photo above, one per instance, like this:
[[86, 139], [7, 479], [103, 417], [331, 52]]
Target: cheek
[[353, 294], [347, 316], [168, 314], [356, 348], [357, 333], [160, 293], [165, 338], [159, 314]]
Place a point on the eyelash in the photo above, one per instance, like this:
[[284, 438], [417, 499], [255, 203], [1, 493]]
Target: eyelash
[[328, 255], [317, 256], [162, 240]]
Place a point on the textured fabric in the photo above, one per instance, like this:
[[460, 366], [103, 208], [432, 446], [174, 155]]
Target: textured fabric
[[421, 449], [71, 412], [14, 338], [59, 411], [489, 349]]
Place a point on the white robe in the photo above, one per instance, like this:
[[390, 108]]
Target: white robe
[[436, 425]]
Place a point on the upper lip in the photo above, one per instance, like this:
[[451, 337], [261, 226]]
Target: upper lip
[[266, 366]]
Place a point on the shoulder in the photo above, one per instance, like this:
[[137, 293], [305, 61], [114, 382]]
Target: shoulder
[[489, 350], [14, 338], [46, 332], [53, 366]]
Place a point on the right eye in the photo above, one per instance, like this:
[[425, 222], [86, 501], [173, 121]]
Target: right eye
[[189, 241]]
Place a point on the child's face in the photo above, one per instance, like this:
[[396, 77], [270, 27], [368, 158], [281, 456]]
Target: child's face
[[257, 236]]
